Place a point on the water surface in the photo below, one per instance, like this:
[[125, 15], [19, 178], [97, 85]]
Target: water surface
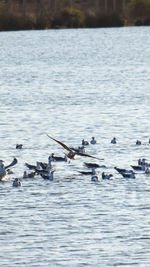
[[75, 84]]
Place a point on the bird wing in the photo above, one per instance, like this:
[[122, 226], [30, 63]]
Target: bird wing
[[85, 155], [14, 162], [62, 144]]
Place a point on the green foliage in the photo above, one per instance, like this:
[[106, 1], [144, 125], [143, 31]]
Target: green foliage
[[69, 18], [139, 11]]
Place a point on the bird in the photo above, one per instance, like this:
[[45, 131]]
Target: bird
[[4, 169], [139, 167], [17, 182], [56, 158], [85, 143], [33, 167], [19, 146], [94, 165], [114, 141], [147, 171], [138, 142], [72, 153], [29, 175], [128, 175], [93, 141], [106, 176], [92, 172], [80, 149], [48, 175], [122, 170], [95, 178]]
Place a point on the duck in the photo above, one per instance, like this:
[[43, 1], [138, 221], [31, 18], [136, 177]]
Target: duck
[[17, 182], [72, 153], [106, 176], [138, 142], [19, 146], [93, 141], [85, 143], [114, 141]]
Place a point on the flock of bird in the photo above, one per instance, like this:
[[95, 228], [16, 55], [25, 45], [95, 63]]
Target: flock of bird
[[46, 170]]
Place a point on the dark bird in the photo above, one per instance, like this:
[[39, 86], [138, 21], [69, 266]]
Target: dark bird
[[122, 170], [139, 167], [114, 141], [106, 176], [17, 182], [128, 175], [30, 167], [92, 172], [94, 165], [56, 158], [19, 146], [72, 153]]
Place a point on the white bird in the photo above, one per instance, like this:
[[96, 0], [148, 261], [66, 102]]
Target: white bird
[[4, 169]]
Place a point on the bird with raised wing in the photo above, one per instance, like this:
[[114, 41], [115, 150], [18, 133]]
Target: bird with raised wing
[[72, 153]]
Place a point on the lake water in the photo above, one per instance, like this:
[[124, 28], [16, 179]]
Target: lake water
[[75, 84]]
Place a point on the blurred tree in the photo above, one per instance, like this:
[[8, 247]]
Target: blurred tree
[[139, 10]]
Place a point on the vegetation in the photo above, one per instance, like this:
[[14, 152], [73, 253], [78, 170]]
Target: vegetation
[[139, 12], [65, 16]]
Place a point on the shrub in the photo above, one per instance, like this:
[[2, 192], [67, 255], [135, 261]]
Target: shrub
[[139, 10], [69, 18]]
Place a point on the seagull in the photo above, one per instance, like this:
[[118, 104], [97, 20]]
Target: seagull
[[123, 170], [56, 158], [139, 167], [4, 169], [48, 175], [128, 175], [72, 152], [94, 165], [92, 172]]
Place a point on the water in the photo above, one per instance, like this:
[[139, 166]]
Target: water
[[75, 84]]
